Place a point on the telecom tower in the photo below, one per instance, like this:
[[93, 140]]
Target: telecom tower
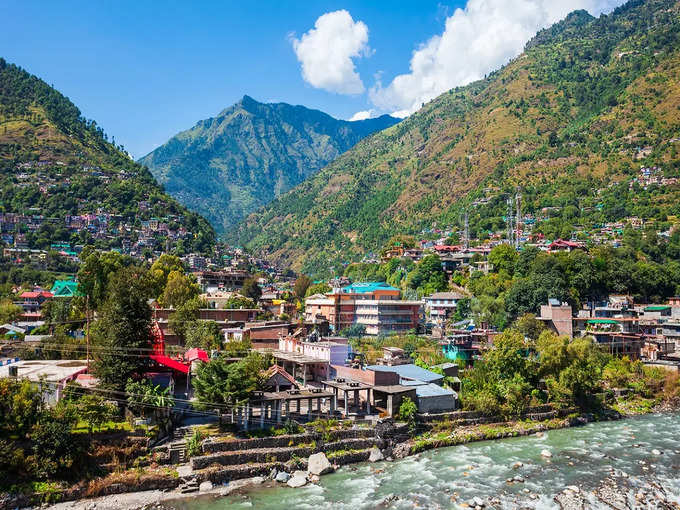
[[466, 232], [518, 216], [510, 222]]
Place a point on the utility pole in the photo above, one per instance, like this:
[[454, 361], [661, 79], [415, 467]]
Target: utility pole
[[87, 329]]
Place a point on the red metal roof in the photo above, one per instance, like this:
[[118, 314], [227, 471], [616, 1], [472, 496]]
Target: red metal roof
[[166, 361], [196, 354]]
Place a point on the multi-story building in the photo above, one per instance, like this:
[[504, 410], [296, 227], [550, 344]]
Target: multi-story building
[[440, 305], [377, 306]]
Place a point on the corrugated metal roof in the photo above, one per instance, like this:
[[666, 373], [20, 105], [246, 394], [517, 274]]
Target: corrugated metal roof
[[409, 372]]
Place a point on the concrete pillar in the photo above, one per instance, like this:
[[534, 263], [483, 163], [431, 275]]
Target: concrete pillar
[[287, 409], [318, 406], [346, 403], [246, 417], [389, 404], [309, 408], [304, 375], [335, 399], [357, 402], [297, 401], [277, 411], [368, 401], [263, 410]]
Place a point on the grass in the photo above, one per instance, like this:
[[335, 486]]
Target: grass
[[110, 426]]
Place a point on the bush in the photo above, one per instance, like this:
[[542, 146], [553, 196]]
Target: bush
[[407, 413]]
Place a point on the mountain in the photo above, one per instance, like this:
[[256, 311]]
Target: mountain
[[62, 181], [568, 124], [228, 166]]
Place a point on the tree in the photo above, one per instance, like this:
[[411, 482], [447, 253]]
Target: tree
[[185, 315], [9, 312], [95, 271], [503, 258], [301, 285], [161, 269], [179, 289], [205, 335], [223, 383], [122, 334], [428, 276], [236, 301], [251, 289], [318, 288], [95, 411], [407, 413], [529, 326], [507, 357], [55, 449], [146, 399]]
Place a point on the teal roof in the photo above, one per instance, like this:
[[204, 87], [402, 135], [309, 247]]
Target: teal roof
[[65, 288], [363, 288]]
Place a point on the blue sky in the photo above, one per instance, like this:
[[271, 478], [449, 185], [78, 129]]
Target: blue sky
[[146, 70]]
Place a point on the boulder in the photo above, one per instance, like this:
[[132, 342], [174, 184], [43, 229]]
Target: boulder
[[205, 486], [546, 454], [282, 477], [318, 464], [375, 455], [299, 479]]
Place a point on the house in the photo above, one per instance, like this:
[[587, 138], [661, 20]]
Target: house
[[393, 356], [562, 245], [65, 289], [440, 305], [55, 373], [557, 317]]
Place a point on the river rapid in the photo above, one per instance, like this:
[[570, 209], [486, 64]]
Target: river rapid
[[637, 452]]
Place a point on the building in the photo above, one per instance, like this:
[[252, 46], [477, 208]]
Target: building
[[376, 306], [65, 289], [55, 373], [211, 281], [441, 305], [558, 317]]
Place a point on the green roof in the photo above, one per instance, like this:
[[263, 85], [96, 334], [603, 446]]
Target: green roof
[[602, 321], [657, 308], [65, 288]]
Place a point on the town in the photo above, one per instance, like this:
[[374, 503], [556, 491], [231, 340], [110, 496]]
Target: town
[[231, 358]]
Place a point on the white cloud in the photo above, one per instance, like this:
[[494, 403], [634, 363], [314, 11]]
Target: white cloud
[[326, 52], [476, 40], [363, 115]]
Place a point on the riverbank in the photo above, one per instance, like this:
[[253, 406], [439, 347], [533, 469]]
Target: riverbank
[[636, 460], [438, 437]]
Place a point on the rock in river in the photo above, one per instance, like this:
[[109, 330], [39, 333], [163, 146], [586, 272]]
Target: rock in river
[[318, 464]]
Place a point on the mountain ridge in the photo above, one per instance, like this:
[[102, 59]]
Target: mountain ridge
[[63, 181], [228, 165], [563, 121]]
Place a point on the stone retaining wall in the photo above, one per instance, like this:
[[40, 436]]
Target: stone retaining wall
[[284, 441], [350, 444], [266, 455]]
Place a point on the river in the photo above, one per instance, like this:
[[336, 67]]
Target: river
[[449, 477]]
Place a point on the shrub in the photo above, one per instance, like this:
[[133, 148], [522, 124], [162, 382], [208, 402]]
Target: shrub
[[407, 413]]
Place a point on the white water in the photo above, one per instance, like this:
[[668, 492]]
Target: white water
[[448, 477]]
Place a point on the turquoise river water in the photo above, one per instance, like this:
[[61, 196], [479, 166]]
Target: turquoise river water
[[449, 477]]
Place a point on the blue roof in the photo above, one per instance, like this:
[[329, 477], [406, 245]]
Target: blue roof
[[430, 390], [362, 288], [409, 372]]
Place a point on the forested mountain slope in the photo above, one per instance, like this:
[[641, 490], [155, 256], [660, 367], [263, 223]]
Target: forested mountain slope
[[569, 123], [62, 181], [227, 166]]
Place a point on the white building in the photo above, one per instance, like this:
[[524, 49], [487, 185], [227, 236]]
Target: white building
[[441, 305]]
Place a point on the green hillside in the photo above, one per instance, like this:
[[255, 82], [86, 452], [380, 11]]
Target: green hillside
[[55, 165], [569, 123], [228, 166]]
